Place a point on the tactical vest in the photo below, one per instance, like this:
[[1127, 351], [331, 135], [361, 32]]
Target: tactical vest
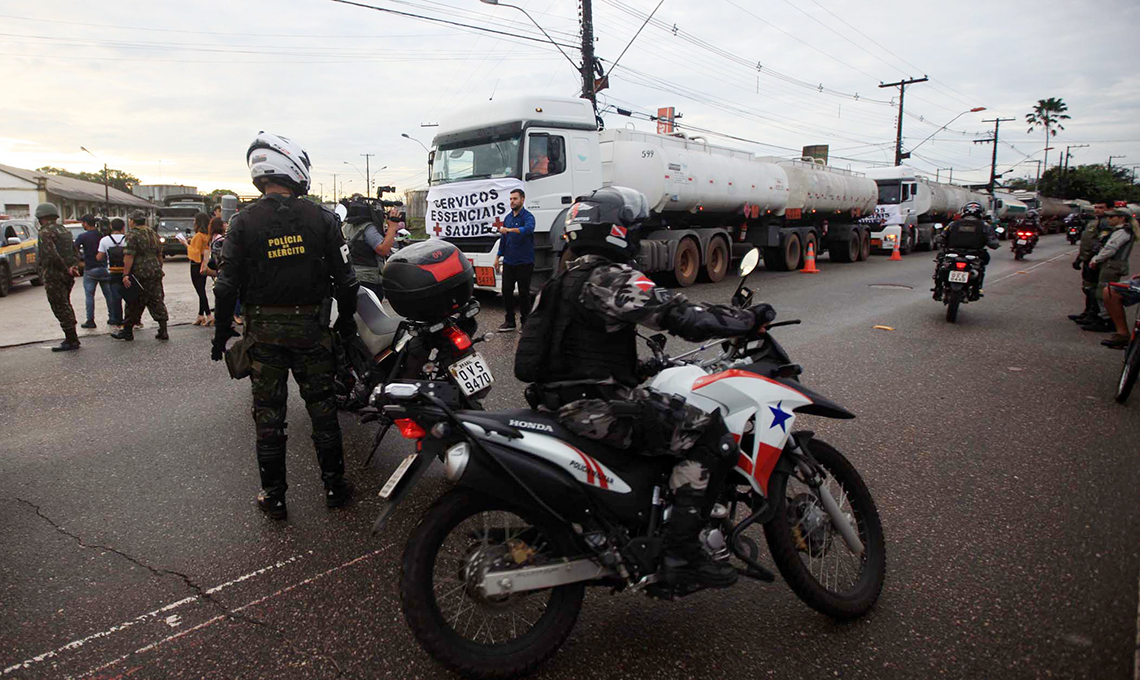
[[1122, 253], [579, 346], [285, 241], [360, 254], [966, 234]]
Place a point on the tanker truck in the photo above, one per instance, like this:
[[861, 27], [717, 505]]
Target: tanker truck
[[708, 203], [911, 205]]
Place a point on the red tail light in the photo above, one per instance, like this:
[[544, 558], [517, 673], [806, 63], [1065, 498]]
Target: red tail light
[[410, 429], [457, 338], [960, 265]]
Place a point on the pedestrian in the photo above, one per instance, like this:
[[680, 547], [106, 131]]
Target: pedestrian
[[516, 258], [142, 267], [1111, 260], [287, 257], [197, 250], [111, 250], [367, 246], [59, 265], [95, 273]]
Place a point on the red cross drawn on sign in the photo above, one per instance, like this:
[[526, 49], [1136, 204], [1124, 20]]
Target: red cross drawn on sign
[[438, 229], [498, 223]]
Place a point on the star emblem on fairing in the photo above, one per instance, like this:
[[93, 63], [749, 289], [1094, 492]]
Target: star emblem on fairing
[[779, 416]]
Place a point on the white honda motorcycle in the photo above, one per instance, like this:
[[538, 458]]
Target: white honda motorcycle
[[494, 576]]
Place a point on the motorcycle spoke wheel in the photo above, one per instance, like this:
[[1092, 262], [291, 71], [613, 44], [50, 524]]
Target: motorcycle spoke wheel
[[1129, 371], [810, 552]]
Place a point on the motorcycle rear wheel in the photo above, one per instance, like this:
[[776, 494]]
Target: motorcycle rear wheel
[[432, 582], [1129, 371], [804, 560], [953, 299]]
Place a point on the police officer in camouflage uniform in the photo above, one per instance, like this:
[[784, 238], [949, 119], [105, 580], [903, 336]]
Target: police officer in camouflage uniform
[[285, 256], [142, 269], [1096, 228], [1110, 263], [59, 265], [588, 373]]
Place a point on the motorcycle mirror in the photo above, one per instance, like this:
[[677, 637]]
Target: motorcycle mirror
[[341, 211], [749, 262], [657, 342]]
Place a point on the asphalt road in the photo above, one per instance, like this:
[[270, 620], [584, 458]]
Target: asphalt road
[[1005, 475]]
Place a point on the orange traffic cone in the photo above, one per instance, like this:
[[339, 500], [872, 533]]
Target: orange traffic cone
[[809, 261], [895, 254]]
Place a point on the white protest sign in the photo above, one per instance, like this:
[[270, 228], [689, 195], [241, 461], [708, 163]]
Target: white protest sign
[[885, 214], [467, 209]]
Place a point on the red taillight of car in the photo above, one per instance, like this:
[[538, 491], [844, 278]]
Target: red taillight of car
[[960, 265], [410, 429], [458, 338]]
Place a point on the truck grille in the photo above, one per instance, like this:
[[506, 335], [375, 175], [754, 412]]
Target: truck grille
[[476, 244]]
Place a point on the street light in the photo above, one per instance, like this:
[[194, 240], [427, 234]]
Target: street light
[[528, 16], [106, 186], [407, 136], [973, 110]]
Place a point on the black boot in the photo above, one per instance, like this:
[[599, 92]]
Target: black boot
[[70, 342], [271, 466], [330, 456], [686, 562], [127, 332], [161, 334]]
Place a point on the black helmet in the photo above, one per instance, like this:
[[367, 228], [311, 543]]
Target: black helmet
[[607, 222], [973, 209]]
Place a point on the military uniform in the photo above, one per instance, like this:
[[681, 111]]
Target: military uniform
[[1111, 258], [284, 256], [56, 255], [143, 244]]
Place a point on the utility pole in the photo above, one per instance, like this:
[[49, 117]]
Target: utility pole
[[993, 140], [1065, 167], [902, 92], [588, 62], [334, 187], [106, 194], [1038, 180], [1110, 160], [367, 177]]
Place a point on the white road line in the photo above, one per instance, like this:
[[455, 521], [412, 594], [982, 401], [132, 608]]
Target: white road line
[[142, 618], [254, 603], [1039, 264]]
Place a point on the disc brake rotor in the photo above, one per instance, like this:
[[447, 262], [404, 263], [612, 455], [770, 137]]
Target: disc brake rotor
[[811, 527]]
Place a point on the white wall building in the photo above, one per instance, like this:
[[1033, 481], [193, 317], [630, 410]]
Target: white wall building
[[22, 190]]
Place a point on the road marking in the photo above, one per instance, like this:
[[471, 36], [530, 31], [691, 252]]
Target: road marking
[[220, 617], [1026, 271], [142, 618]]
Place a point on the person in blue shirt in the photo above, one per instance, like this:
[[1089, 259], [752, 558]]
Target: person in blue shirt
[[95, 273], [515, 258]]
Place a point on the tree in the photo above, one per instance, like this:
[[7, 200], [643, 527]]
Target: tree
[[121, 180], [1048, 113], [1019, 184], [1095, 183]]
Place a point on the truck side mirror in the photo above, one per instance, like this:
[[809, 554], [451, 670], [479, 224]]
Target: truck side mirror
[[13, 241]]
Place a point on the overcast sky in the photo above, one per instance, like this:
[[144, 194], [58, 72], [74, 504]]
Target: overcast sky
[[173, 92]]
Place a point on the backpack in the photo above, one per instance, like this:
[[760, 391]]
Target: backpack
[[216, 253], [115, 253], [541, 334]]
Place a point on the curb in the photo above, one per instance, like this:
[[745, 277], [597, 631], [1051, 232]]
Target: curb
[[89, 335]]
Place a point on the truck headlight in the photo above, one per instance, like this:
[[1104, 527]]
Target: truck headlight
[[455, 461], [162, 239]]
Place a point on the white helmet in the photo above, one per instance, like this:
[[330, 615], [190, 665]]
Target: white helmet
[[280, 160]]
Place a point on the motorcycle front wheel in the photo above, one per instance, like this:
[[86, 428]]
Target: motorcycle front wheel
[[1129, 371], [808, 550], [473, 635]]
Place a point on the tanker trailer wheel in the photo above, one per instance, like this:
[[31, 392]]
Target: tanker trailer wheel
[[865, 245], [846, 251], [907, 245], [793, 253], [718, 261], [686, 263]]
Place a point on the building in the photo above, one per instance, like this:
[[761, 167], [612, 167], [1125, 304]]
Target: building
[[157, 193], [22, 190]]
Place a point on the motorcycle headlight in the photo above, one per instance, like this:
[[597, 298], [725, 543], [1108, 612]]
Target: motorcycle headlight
[[455, 461]]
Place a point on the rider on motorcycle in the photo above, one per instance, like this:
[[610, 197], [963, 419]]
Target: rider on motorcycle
[[969, 233], [583, 335]]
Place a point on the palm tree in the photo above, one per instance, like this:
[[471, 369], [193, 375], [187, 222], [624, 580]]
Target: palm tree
[[1048, 113]]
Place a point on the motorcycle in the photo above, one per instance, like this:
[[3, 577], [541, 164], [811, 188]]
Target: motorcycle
[[1131, 368], [957, 279], [1023, 242], [494, 576], [1074, 233]]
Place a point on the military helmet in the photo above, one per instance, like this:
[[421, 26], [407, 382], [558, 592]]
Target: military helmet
[[138, 217], [973, 209], [46, 210], [607, 222]]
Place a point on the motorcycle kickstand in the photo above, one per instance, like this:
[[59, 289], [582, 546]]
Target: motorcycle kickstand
[[376, 441]]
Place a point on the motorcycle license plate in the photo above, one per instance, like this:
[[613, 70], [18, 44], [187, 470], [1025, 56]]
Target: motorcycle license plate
[[472, 374], [390, 485], [485, 276], [959, 277], [1021, 241]]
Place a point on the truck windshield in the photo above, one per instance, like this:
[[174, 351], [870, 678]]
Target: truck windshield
[[476, 160], [182, 211], [890, 194]]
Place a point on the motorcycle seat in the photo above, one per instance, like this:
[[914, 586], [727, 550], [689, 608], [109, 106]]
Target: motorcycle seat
[[371, 311]]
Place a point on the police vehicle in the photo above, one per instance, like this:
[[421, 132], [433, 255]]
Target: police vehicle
[[18, 253]]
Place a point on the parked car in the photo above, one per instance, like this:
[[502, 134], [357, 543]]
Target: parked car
[[18, 254]]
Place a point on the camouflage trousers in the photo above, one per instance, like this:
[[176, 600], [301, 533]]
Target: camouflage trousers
[[58, 288], [655, 424], [297, 343], [151, 297]]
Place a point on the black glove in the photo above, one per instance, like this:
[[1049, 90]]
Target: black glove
[[221, 337], [650, 367], [345, 326], [764, 314]]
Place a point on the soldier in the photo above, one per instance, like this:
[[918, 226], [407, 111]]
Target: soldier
[[1095, 229], [142, 268], [284, 255], [1110, 263], [579, 347], [60, 265]]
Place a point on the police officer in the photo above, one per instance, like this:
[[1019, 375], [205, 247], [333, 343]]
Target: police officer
[[367, 247], [59, 264], [580, 349], [142, 270], [1111, 260], [969, 232], [285, 256], [1096, 228]]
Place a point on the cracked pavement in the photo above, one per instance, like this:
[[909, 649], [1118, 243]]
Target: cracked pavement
[[1006, 478]]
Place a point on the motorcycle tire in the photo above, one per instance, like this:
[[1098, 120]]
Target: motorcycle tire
[[431, 627], [1018, 255], [953, 299], [787, 550], [1129, 371]]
